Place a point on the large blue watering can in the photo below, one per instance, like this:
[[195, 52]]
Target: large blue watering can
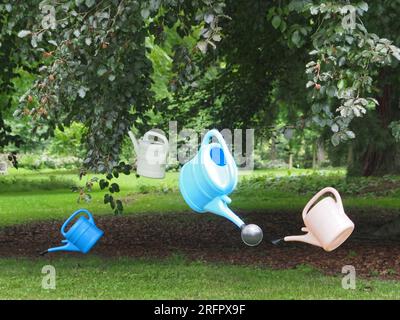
[[82, 236], [206, 181]]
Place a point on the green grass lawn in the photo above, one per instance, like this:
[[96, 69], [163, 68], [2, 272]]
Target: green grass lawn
[[175, 278], [27, 196]]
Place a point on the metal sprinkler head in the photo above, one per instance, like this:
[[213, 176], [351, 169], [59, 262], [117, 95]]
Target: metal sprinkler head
[[252, 235]]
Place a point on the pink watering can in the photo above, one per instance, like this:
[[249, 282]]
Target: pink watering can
[[326, 223]]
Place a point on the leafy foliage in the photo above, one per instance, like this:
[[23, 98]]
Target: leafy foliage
[[10, 57], [346, 57], [95, 68]]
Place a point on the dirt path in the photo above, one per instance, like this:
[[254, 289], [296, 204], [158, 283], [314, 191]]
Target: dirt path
[[210, 238]]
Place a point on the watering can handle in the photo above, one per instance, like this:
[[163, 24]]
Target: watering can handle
[[155, 134], [318, 195], [221, 140], [91, 220], [214, 133]]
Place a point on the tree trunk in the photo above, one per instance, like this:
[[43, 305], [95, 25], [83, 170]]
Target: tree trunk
[[350, 156], [291, 161], [314, 158], [320, 152], [273, 152], [375, 151]]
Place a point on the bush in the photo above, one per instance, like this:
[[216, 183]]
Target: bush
[[22, 183], [269, 164], [44, 161], [313, 182]]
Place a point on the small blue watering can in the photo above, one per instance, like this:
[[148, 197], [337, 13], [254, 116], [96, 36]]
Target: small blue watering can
[[82, 236], [207, 179]]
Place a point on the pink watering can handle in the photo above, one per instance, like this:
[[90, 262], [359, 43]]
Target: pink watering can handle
[[318, 195], [91, 220], [215, 133]]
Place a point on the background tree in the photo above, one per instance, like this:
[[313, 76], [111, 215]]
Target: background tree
[[224, 64], [10, 59]]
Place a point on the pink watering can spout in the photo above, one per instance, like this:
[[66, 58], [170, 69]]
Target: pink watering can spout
[[307, 238]]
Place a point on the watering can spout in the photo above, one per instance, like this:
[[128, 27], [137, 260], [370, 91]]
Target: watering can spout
[[219, 206], [134, 141], [307, 238], [67, 247]]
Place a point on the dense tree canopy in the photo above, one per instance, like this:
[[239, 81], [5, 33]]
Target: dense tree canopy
[[231, 63]]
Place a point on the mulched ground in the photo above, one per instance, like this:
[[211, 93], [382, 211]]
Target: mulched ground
[[210, 238]]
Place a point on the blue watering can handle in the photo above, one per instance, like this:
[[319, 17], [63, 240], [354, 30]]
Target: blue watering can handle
[[91, 220], [221, 140]]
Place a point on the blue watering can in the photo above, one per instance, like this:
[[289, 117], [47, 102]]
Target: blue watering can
[[82, 236], [206, 181]]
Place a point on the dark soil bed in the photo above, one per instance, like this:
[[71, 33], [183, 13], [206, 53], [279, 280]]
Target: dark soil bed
[[210, 238]]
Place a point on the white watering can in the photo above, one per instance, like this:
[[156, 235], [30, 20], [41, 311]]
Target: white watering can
[[151, 154], [326, 223]]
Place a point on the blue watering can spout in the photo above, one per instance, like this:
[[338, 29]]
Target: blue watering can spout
[[67, 247], [82, 235], [219, 207]]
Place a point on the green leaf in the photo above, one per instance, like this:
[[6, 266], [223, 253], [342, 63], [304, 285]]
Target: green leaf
[[350, 134], [341, 84], [331, 91], [103, 184], [24, 33], [296, 38], [101, 71], [112, 203], [276, 21], [363, 6], [90, 3], [119, 205], [283, 26], [82, 92], [202, 45], [145, 13], [107, 198], [115, 187], [209, 18], [335, 139]]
